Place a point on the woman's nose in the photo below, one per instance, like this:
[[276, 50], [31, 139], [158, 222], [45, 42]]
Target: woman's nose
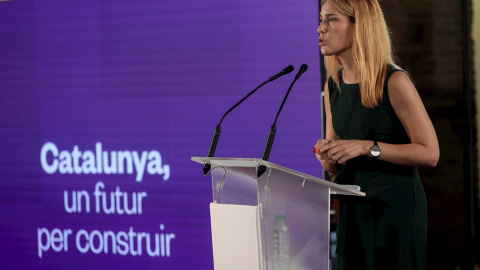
[[321, 28]]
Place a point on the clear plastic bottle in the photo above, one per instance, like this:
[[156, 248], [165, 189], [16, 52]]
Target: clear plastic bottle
[[281, 244]]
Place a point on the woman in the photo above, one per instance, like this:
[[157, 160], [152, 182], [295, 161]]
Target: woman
[[377, 132]]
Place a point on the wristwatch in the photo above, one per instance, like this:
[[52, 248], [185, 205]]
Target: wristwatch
[[375, 150]]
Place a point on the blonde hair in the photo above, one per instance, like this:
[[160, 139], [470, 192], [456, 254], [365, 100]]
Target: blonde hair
[[371, 48]]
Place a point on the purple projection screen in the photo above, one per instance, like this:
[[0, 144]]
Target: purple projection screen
[[103, 103]]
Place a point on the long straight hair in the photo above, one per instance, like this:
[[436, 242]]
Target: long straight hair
[[372, 49]]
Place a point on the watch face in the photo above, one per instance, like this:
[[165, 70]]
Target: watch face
[[375, 150]]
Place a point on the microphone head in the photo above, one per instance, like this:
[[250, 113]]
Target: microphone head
[[303, 68], [288, 69], [281, 73]]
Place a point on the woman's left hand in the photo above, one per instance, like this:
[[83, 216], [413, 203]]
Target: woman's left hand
[[342, 150]]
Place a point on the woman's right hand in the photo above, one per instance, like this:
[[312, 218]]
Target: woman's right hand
[[327, 162]]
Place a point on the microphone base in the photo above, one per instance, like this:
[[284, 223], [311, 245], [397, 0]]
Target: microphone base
[[260, 170], [206, 168]]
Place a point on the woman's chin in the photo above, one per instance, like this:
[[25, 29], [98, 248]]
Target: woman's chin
[[325, 52]]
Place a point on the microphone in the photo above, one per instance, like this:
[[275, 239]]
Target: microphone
[[286, 70], [273, 129], [302, 70], [218, 129]]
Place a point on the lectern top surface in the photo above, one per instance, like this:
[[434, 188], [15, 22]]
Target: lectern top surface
[[255, 162]]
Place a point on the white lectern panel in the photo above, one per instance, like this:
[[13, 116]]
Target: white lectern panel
[[235, 236]]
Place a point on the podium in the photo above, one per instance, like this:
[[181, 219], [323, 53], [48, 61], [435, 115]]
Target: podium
[[244, 209]]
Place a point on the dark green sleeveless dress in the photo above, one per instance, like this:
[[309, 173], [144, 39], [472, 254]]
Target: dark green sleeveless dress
[[387, 229]]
